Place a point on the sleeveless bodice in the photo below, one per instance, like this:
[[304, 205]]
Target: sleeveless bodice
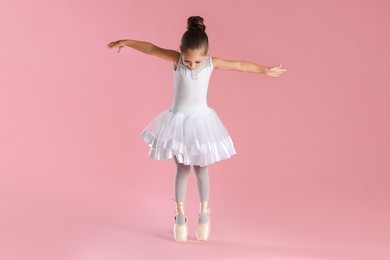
[[190, 131], [190, 87]]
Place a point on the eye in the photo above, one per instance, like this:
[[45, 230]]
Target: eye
[[198, 62]]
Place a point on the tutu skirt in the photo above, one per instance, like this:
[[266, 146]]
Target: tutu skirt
[[195, 139]]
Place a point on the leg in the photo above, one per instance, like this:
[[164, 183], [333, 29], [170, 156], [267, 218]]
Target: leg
[[203, 185], [202, 182], [181, 180]]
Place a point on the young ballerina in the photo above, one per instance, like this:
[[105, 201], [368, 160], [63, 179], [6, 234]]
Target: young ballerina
[[190, 131]]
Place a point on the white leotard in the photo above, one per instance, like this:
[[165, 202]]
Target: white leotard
[[190, 87]]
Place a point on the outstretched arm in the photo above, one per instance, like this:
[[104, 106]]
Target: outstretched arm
[[147, 48], [246, 66]]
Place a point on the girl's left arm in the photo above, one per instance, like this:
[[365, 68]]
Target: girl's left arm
[[246, 66]]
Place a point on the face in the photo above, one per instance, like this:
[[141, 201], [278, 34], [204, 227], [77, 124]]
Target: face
[[193, 58]]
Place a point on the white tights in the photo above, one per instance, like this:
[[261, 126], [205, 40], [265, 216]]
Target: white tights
[[202, 182]]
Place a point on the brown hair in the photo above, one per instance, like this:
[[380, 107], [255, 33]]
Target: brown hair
[[195, 37]]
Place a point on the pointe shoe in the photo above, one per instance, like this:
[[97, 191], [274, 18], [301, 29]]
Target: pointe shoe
[[180, 231], [203, 230]]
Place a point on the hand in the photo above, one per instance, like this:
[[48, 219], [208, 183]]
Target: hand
[[274, 71], [117, 44]]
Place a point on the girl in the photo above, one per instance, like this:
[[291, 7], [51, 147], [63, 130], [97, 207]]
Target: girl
[[190, 131]]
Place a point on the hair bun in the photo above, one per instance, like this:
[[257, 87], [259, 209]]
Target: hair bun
[[195, 23]]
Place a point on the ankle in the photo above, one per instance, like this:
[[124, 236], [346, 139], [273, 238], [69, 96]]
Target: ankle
[[180, 217], [180, 208], [204, 207], [204, 213]]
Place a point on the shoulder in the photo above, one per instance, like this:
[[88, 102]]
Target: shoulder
[[216, 61], [209, 61]]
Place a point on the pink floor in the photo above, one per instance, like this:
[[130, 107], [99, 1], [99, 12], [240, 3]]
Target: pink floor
[[82, 218]]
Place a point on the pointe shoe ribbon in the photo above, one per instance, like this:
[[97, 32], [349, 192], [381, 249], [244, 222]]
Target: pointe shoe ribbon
[[203, 230]]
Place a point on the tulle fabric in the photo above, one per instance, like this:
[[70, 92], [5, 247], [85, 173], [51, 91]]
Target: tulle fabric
[[198, 139]]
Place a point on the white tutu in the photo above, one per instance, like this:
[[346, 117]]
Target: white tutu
[[198, 139]]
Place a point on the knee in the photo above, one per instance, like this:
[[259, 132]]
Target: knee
[[182, 168], [200, 170]]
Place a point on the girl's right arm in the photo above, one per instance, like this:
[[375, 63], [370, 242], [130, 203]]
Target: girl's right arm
[[148, 48]]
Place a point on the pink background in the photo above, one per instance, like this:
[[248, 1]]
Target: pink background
[[311, 176]]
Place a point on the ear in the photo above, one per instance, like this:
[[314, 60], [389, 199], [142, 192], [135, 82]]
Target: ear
[[204, 51]]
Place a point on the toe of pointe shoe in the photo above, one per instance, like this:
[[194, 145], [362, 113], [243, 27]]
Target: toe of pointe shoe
[[180, 232], [203, 231]]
